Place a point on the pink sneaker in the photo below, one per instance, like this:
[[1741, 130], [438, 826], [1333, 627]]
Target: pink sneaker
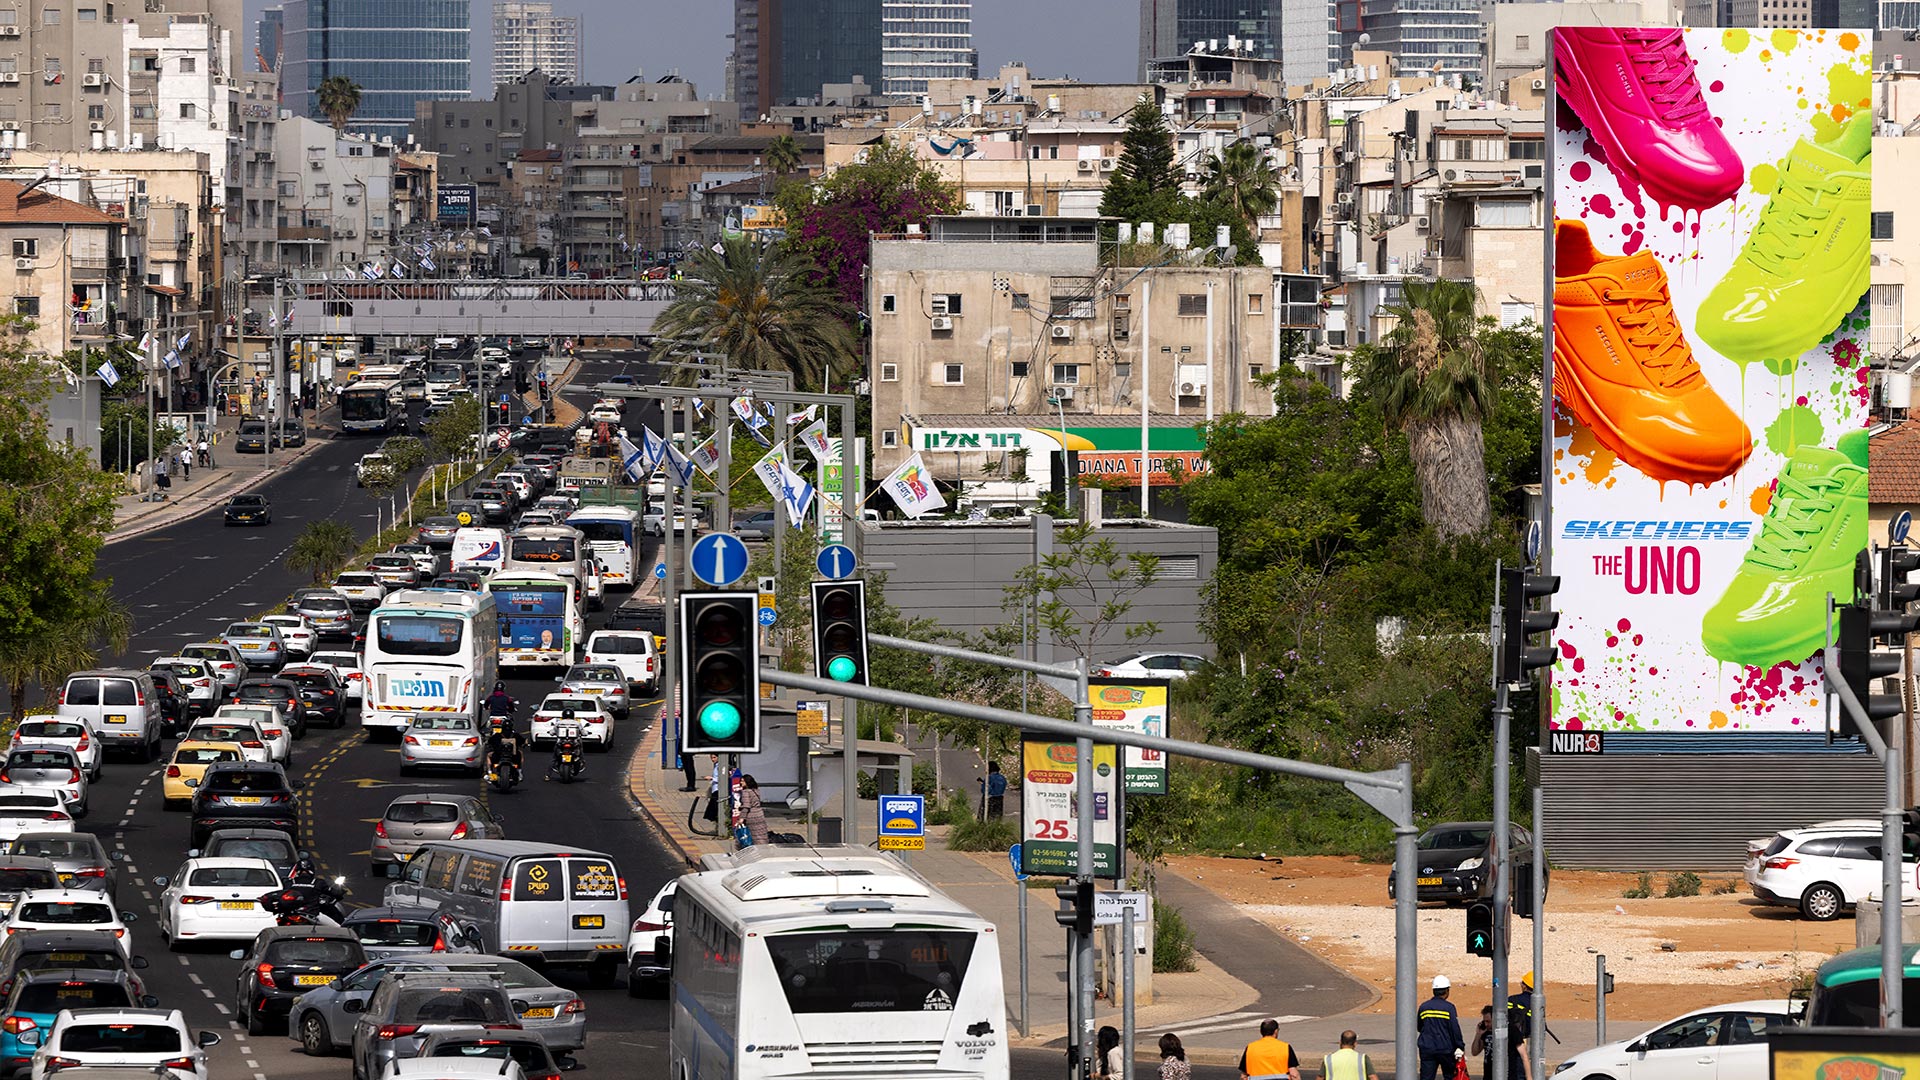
[[1636, 91]]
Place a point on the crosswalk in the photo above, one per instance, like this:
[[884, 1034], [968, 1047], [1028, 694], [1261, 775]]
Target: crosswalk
[[1228, 1021]]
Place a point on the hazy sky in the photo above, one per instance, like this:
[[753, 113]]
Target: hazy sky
[[1093, 40]]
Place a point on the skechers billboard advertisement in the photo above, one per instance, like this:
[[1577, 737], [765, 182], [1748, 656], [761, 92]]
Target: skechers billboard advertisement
[[1709, 473]]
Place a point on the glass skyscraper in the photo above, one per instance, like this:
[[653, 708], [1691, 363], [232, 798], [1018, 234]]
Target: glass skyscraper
[[925, 39], [399, 52]]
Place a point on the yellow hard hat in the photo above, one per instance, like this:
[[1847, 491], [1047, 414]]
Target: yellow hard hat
[[1527, 980]]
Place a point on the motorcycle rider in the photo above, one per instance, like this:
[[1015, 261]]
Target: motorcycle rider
[[500, 703], [503, 746], [566, 738]]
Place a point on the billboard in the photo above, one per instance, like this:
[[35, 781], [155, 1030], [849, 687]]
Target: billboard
[[455, 204], [1139, 706], [1050, 809], [1709, 245], [1827, 1053]]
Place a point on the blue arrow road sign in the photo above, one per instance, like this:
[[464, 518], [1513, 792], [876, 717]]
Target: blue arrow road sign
[[836, 561], [1897, 529], [767, 616], [1013, 856], [719, 559], [660, 571]]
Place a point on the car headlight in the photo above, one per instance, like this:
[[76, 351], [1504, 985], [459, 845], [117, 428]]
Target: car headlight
[[1472, 864], [1563, 1066]]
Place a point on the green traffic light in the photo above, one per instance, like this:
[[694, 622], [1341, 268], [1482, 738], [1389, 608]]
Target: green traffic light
[[842, 669], [720, 719]]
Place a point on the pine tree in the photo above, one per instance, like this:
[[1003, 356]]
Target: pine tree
[[1146, 162]]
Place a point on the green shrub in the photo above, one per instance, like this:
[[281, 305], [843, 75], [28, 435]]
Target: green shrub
[[1172, 940], [970, 834], [950, 811], [1641, 890], [1684, 883], [1725, 887]]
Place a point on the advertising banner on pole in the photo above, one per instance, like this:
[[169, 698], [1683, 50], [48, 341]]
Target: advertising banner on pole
[[1138, 705], [1050, 809], [1709, 207]]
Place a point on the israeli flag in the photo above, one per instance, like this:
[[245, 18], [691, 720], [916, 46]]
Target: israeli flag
[[796, 493], [655, 448], [426, 263], [399, 269], [369, 271], [107, 374], [273, 322], [679, 466], [172, 358], [633, 460], [184, 338], [700, 408]]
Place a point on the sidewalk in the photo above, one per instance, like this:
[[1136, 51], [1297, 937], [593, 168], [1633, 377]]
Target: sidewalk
[[206, 488]]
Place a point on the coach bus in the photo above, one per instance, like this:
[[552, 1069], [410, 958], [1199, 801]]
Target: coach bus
[[428, 651], [540, 620], [1846, 989], [791, 961], [610, 531], [369, 407], [547, 549]]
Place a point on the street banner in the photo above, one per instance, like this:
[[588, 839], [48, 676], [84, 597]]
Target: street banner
[[814, 438], [912, 488], [1141, 706], [1709, 366], [706, 456], [1050, 809]]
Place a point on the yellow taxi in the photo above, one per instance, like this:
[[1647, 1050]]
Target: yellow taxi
[[189, 763]]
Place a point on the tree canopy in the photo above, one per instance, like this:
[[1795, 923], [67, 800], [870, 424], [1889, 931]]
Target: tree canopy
[[831, 220]]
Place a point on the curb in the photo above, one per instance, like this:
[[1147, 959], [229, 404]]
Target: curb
[[160, 518]]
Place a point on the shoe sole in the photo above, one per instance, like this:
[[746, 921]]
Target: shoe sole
[[1580, 98], [1784, 358], [1797, 649], [1585, 412]]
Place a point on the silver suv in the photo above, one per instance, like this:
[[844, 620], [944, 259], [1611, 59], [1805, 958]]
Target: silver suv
[[409, 1006]]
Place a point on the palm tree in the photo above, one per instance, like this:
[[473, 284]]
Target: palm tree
[[762, 307], [1431, 380], [1242, 180], [321, 547], [70, 643], [339, 98], [782, 155]]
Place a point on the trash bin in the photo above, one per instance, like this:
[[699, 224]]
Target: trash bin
[[827, 830]]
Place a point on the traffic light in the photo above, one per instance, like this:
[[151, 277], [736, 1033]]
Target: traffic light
[[1860, 665], [1895, 564], [840, 631], [503, 413], [719, 673], [1517, 591], [1480, 928], [1076, 910]]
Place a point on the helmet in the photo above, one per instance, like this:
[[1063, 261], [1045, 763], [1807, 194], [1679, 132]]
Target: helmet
[[499, 687]]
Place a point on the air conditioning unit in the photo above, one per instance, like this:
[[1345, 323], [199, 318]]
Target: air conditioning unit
[[1188, 389], [1086, 165], [353, 200], [1063, 333], [316, 166], [9, 77], [23, 263], [1108, 164], [97, 126], [93, 78], [1422, 223], [942, 322], [1061, 392], [10, 30], [1539, 84], [9, 125]]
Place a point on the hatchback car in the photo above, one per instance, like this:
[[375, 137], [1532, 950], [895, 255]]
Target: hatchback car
[[38, 997], [409, 1006], [260, 644], [189, 762], [1725, 1040], [386, 932], [323, 696], [276, 848], [21, 874], [412, 820], [65, 733], [363, 591], [604, 681], [1823, 870], [215, 899], [80, 860], [230, 731], [650, 943], [248, 510], [327, 612], [203, 687], [143, 1039], [32, 812], [462, 580], [279, 693], [425, 559], [437, 531], [285, 962], [476, 1045], [297, 632], [274, 725], [440, 740], [347, 666], [252, 438], [47, 768], [60, 950], [243, 795], [394, 571], [70, 909], [1455, 861], [1164, 665]]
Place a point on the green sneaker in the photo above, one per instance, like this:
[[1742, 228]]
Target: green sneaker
[[1804, 266], [1774, 610]]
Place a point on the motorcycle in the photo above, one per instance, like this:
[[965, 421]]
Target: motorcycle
[[308, 903], [569, 758], [503, 775]]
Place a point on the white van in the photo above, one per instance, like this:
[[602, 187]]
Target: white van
[[480, 550], [120, 703], [527, 900]]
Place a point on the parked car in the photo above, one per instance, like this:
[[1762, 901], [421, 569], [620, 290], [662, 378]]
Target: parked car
[[248, 510], [755, 526], [1159, 665], [252, 438], [1455, 861], [292, 433], [1725, 1040], [1823, 870]]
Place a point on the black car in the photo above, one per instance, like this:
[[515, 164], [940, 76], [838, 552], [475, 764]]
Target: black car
[[48, 950], [249, 510], [323, 697], [292, 433], [242, 794], [463, 580], [252, 436], [1455, 860], [176, 709], [274, 690], [285, 962]]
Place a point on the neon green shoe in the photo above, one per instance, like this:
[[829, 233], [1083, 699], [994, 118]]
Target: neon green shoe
[[1774, 610], [1804, 266]]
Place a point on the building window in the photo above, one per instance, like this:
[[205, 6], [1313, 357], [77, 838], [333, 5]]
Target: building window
[[27, 305], [26, 248], [146, 112], [1123, 370], [1254, 371], [96, 112], [1882, 224], [1515, 312], [953, 374], [1193, 304], [1503, 213], [1020, 368], [149, 63], [87, 14], [1256, 304], [1066, 374], [1021, 301], [1523, 42], [189, 65], [889, 438], [946, 303], [7, 16], [449, 120], [50, 17], [96, 66], [1122, 302], [886, 303], [889, 372], [188, 110], [464, 122]]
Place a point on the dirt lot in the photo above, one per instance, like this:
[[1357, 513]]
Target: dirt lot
[[1725, 947]]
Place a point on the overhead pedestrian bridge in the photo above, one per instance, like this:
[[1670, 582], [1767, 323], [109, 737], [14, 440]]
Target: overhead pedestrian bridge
[[537, 307]]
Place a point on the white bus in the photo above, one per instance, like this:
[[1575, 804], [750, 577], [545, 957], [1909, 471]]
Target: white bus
[[610, 531], [370, 407], [795, 961], [547, 549], [540, 620], [428, 651]]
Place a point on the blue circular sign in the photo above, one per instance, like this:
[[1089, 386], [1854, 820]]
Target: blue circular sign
[[1898, 527], [660, 571], [768, 616], [836, 561], [719, 559]]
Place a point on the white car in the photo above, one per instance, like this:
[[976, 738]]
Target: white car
[[646, 961], [243, 729], [478, 1067], [73, 733], [348, 665], [22, 812], [653, 522], [596, 586], [366, 464], [30, 769], [202, 683], [69, 909], [1729, 1041], [588, 711], [1159, 665], [215, 899], [297, 631], [276, 729], [124, 1040], [361, 586], [605, 414], [1823, 871], [631, 651], [228, 666]]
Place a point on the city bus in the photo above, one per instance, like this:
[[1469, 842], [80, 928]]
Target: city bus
[[428, 651], [1846, 989], [540, 620], [795, 960], [610, 531], [547, 549], [370, 407]]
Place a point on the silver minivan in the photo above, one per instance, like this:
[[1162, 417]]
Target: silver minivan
[[525, 899], [122, 705]]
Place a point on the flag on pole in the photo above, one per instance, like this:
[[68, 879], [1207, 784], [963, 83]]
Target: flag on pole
[[654, 447], [107, 374], [486, 232], [426, 263], [184, 338], [399, 269], [288, 321], [743, 408], [369, 271], [633, 460], [172, 358], [700, 408], [804, 416], [679, 466], [912, 489], [146, 343], [814, 438], [796, 493], [759, 435], [273, 322], [705, 456]]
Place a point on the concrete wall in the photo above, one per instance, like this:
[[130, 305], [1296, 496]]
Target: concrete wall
[[957, 573]]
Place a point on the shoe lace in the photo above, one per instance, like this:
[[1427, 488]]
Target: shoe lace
[[1650, 325], [1794, 516], [1667, 72], [1794, 214]]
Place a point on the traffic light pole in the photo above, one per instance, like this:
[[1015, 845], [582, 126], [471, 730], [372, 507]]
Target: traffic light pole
[[1892, 966], [1502, 848], [1083, 833]]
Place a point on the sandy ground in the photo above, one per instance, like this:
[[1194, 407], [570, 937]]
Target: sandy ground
[[1666, 956]]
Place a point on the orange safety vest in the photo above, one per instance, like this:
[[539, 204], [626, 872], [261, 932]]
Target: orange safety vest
[[1267, 1056]]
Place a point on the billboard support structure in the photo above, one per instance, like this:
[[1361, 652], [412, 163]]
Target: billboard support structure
[[1892, 816]]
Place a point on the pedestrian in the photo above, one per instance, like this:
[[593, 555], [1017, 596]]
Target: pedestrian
[[1483, 1040], [752, 813], [1520, 1029], [1173, 1059], [1269, 1057], [1440, 1042], [686, 759], [1106, 1063], [206, 452], [996, 791], [186, 464], [1348, 1063]]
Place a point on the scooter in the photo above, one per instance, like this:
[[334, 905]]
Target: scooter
[[503, 775], [569, 761]]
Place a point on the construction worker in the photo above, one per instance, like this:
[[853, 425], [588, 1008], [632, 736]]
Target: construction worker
[[1441, 1043], [1269, 1057]]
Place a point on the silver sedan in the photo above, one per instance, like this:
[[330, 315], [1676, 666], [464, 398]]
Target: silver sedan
[[446, 740], [604, 681]]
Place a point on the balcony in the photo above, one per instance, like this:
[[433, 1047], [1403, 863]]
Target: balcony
[[307, 234], [93, 269]]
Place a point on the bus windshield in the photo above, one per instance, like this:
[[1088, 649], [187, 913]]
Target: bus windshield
[[542, 551], [892, 970], [418, 635], [618, 532], [532, 599], [363, 404]]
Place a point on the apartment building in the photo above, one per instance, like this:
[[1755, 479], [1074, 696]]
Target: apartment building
[[921, 40], [477, 140], [533, 200], [527, 35], [335, 197], [69, 267], [250, 226]]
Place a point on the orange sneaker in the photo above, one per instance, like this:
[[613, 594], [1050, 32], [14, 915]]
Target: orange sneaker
[[1623, 368]]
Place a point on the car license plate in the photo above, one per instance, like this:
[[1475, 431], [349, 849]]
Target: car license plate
[[312, 980], [236, 905], [250, 646], [1430, 881], [439, 742], [117, 718], [544, 1012], [593, 690], [68, 879], [589, 922], [245, 800]]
